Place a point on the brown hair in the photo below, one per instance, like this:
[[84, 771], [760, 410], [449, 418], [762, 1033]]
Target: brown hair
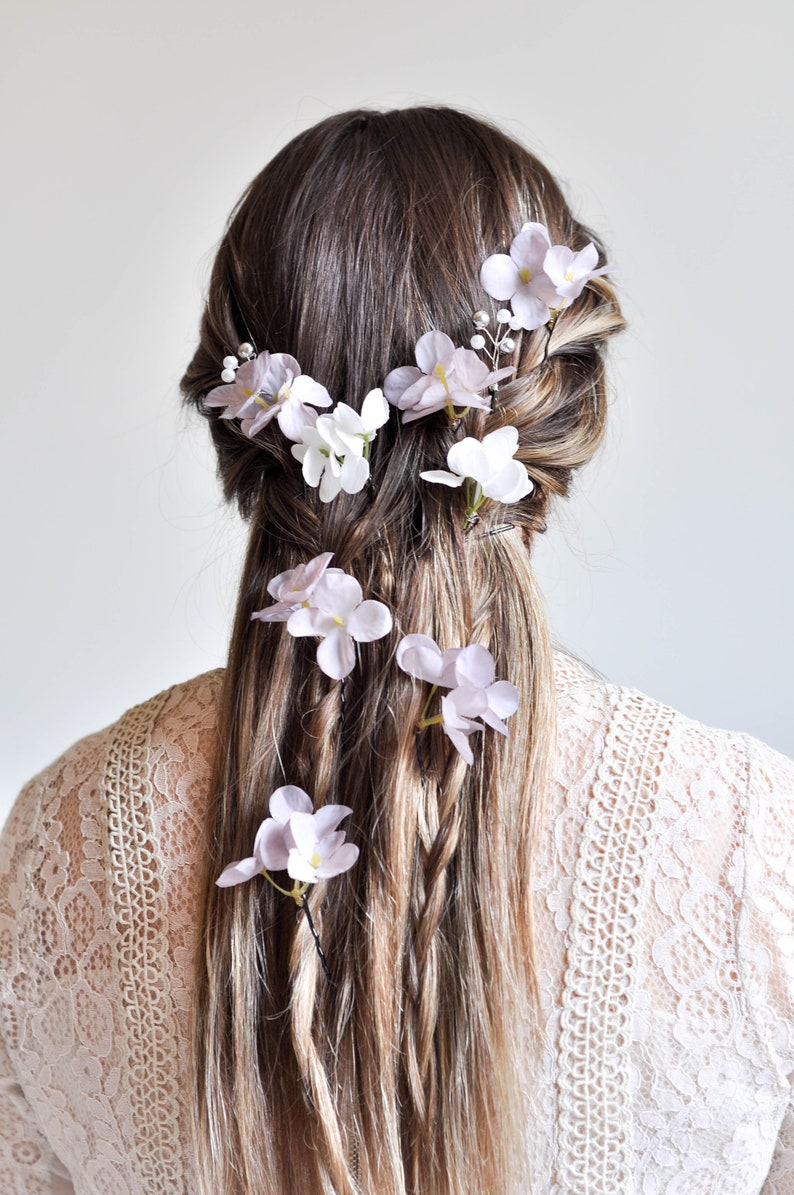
[[403, 1075]]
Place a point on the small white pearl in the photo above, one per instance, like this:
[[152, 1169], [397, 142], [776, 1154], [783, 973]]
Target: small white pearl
[[228, 375], [503, 316], [230, 362], [245, 349], [481, 319], [507, 345], [477, 342], [515, 323]]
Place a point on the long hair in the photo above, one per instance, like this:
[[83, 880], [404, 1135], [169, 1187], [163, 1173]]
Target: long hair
[[403, 1074]]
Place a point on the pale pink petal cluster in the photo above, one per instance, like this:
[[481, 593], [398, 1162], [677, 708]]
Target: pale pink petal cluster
[[334, 451], [539, 278], [298, 840], [444, 377], [474, 699], [488, 467], [271, 386], [293, 588], [314, 599]]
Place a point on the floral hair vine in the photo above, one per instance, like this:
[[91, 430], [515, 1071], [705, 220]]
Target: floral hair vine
[[539, 280]]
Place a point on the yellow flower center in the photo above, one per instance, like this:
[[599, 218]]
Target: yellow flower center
[[340, 622], [315, 860], [569, 275], [525, 275], [441, 373]]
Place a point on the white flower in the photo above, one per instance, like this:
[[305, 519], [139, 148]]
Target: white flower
[[421, 657], [335, 452], [447, 377], [487, 467], [474, 698], [570, 272], [271, 386], [520, 277], [476, 694], [292, 588], [295, 839], [337, 613]]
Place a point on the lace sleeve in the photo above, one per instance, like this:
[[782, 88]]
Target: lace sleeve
[[766, 933], [28, 1165]]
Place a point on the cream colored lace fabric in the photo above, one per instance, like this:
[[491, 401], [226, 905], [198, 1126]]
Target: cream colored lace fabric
[[665, 906]]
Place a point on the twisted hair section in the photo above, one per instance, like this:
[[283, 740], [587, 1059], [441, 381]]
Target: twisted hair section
[[401, 1075]]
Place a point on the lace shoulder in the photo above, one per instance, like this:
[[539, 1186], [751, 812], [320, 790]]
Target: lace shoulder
[[94, 918]]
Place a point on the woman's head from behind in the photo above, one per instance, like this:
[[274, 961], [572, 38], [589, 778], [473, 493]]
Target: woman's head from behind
[[362, 234]]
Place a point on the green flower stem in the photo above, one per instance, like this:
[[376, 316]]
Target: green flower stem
[[434, 721], [295, 894], [430, 697]]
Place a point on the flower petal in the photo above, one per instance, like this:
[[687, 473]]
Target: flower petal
[[355, 474], [310, 621], [328, 817], [300, 869], [503, 698], [397, 382], [468, 458], [305, 389], [420, 657], [336, 655], [499, 276], [531, 310], [371, 620], [337, 594], [270, 847], [374, 410], [440, 475], [287, 800], [474, 666], [431, 349], [510, 484], [238, 873], [341, 860]]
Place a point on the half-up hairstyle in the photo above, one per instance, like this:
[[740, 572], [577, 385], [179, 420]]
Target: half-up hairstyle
[[404, 1073]]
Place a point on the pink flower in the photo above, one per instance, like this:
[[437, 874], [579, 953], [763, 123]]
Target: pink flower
[[570, 272], [521, 278], [293, 588], [295, 839], [335, 611], [271, 386], [474, 698], [447, 377]]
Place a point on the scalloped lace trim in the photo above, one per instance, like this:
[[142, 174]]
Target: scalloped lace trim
[[595, 1151], [141, 921]]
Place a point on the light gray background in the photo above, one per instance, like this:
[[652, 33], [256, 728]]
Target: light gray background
[[129, 131]]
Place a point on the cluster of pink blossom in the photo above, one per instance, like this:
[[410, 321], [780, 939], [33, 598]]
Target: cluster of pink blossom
[[537, 278], [314, 599], [297, 839], [474, 699]]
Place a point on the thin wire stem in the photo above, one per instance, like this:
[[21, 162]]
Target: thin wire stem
[[316, 936]]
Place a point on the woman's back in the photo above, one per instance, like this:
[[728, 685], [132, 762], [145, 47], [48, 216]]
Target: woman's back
[[664, 918]]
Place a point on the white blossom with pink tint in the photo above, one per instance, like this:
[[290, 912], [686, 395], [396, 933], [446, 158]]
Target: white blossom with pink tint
[[335, 611], [570, 272], [293, 588], [296, 839], [475, 699], [271, 386], [520, 277], [444, 377]]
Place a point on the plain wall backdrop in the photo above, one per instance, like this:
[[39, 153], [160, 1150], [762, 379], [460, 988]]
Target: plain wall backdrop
[[129, 132]]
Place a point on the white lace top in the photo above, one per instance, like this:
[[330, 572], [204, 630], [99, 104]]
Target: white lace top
[[665, 905]]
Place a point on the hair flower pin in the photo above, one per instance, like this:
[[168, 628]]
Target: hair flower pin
[[314, 599], [486, 469], [474, 699], [444, 378], [539, 279], [304, 842], [268, 386], [334, 452]]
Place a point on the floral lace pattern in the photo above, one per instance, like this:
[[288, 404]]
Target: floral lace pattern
[[665, 920]]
